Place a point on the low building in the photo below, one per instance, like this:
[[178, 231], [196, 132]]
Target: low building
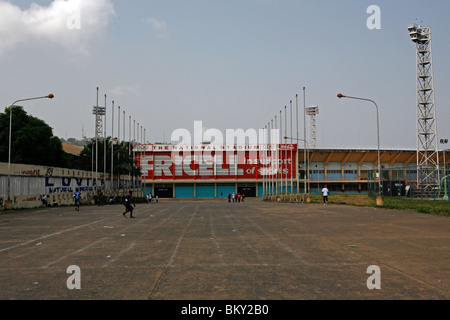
[[208, 171]]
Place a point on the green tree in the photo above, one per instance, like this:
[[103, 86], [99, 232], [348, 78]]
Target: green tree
[[32, 140], [122, 160]]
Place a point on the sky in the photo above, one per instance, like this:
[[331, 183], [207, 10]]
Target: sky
[[232, 64]]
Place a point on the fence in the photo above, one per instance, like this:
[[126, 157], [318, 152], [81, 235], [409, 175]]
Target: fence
[[402, 182], [28, 184]]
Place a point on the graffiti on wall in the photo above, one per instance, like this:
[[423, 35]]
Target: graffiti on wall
[[64, 185]]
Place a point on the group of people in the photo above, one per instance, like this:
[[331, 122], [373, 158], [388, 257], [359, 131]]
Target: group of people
[[128, 202], [235, 197], [149, 198], [45, 201]]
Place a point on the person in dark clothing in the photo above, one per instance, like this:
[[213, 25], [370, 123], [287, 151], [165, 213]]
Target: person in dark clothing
[[127, 203]]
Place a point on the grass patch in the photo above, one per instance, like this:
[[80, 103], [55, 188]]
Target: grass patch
[[423, 206]]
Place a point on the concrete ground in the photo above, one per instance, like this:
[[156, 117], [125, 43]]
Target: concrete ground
[[215, 250]]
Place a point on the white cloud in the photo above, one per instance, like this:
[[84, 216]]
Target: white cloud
[[158, 25], [73, 24], [123, 90]]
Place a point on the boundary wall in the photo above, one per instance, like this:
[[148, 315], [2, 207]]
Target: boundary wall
[[29, 183]]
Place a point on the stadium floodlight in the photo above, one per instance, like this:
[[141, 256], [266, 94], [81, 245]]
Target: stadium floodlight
[[312, 111], [427, 144], [419, 34]]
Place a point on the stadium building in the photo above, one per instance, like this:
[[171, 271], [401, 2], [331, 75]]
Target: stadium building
[[209, 171]]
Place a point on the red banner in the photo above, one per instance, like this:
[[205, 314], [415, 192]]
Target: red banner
[[183, 165]]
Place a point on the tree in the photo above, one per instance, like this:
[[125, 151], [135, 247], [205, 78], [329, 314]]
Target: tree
[[32, 140], [123, 161]]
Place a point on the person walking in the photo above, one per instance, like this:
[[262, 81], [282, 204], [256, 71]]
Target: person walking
[[100, 198], [127, 203], [77, 198], [325, 193]]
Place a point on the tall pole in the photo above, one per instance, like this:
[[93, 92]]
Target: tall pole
[[104, 148], [272, 159], [144, 175], [269, 178], [277, 156], [285, 148], [428, 172], [266, 155], [129, 143], [444, 142], [112, 146], [263, 168], [298, 140], [292, 181], [380, 198], [124, 143], [306, 166], [296, 157], [50, 96], [280, 152], [132, 146], [129, 135], [118, 123], [96, 144], [118, 153]]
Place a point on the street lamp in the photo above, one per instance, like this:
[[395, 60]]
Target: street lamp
[[308, 199], [380, 201], [50, 96], [444, 141]]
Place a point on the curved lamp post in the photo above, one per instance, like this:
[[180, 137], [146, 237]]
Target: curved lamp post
[[380, 201], [50, 96]]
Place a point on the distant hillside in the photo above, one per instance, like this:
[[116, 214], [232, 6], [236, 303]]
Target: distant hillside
[[74, 142]]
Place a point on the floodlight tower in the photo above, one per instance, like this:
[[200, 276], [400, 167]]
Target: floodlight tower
[[312, 111], [427, 140], [99, 112]]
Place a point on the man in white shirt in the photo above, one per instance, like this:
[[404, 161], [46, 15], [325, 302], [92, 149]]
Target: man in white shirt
[[325, 194]]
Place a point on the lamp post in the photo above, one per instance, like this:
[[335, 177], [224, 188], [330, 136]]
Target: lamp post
[[296, 120], [444, 141], [306, 145], [50, 96], [380, 201], [112, 147]]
